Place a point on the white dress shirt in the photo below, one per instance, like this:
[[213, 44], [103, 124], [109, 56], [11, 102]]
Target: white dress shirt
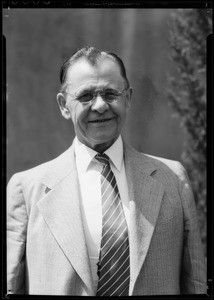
[[89, 173]]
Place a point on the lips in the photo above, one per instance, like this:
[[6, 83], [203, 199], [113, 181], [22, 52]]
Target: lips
[[100, 120]]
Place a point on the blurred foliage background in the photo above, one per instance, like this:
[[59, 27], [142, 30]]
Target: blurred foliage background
[[188, 32], [149, 41]]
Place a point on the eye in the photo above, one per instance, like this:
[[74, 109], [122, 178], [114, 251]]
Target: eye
[[111, 94], [85, 96]]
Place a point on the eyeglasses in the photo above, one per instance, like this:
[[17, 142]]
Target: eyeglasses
[[87, 96]]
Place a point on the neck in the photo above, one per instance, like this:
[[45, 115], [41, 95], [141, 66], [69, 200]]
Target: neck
[[101, 147]]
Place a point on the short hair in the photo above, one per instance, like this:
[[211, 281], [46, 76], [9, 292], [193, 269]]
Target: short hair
[[92, 55]]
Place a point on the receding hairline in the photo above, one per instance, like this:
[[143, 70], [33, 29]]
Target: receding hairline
[[93, 56], [99, 59], [103, 56]]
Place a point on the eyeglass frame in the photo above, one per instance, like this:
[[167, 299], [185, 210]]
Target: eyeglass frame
[[99, 91]]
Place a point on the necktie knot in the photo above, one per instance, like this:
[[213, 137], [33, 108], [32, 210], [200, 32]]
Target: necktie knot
[[103, 158]]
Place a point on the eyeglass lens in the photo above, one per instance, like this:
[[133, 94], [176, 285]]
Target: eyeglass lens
[[109, 95]]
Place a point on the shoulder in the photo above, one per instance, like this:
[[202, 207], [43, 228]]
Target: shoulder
[[170, 170], [160, 168], [33, 175], [169, 165]]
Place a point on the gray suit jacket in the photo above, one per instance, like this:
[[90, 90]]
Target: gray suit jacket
[[47, 252]]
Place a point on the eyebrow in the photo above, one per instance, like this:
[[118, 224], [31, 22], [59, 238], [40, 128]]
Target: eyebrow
[[92, 87]]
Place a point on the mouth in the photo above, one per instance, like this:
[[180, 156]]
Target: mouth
[[100, 120]]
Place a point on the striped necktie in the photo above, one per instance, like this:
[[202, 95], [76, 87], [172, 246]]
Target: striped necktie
[[113, 265]]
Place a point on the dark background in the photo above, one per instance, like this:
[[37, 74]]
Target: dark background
[[38, 41]]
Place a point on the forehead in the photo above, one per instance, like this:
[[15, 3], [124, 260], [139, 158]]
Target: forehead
[[104, 72]]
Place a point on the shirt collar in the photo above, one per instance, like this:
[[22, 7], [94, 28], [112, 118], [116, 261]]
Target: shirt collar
[[84, 154], [115, 153]]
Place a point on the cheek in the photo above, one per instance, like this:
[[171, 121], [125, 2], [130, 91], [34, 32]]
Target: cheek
[[74, 111], [121, 112], [78, 114]]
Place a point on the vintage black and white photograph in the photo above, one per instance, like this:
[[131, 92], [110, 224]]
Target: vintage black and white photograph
[[106, 149]]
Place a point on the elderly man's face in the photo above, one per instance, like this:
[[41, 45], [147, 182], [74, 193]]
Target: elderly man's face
[[97, 124]]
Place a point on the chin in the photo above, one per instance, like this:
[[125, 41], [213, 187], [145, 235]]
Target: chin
[[102, 140], [104, 143]]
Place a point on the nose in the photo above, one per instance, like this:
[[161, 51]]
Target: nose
[[99, 104]]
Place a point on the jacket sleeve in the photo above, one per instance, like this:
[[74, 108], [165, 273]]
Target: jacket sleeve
[[193, 269], [16, 237]]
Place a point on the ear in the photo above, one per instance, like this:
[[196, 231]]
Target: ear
[[61, 100], [129, 97]]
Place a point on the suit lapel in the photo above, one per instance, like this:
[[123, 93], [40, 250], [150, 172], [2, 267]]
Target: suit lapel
[[61, 210], [145, 195]]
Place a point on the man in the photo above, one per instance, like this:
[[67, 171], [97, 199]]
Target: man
[[102, 219]]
